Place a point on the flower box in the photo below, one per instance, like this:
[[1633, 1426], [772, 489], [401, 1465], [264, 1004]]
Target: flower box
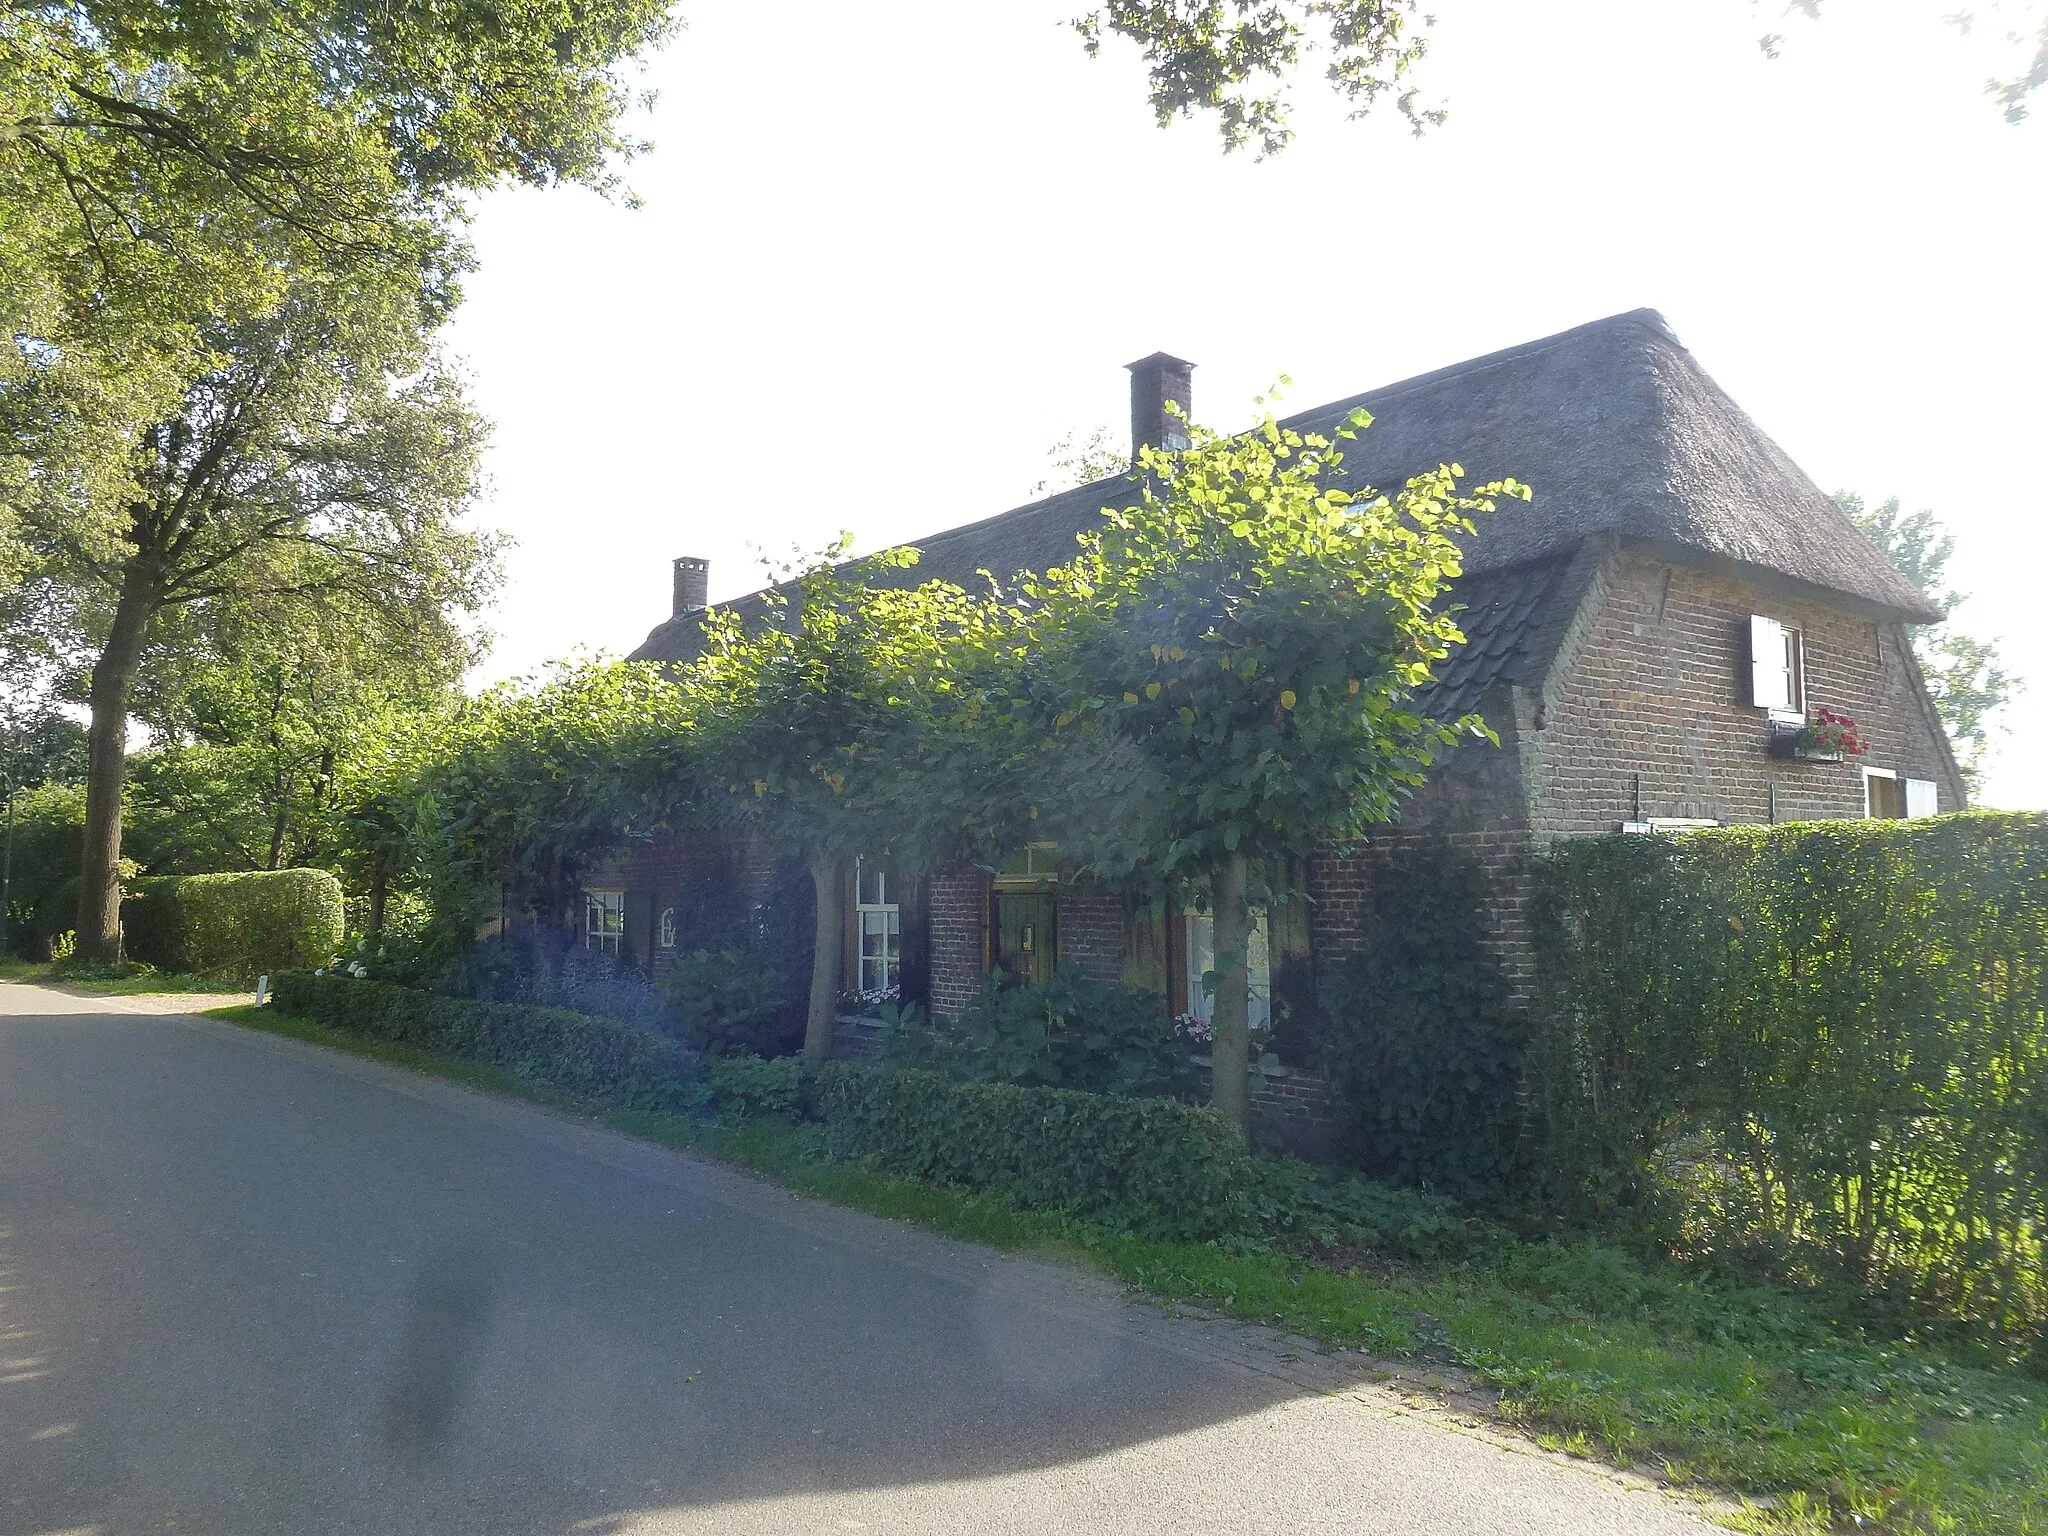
[[1826, 738]]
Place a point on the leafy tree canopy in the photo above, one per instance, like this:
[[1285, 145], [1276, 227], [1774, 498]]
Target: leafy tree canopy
[[1965, 676], [257, 747], [40, 746], [843, 719], [1237, 59], [310, 480], [1237, 656], [161, 166], [823, 714], [523, 786], [1250, 635]]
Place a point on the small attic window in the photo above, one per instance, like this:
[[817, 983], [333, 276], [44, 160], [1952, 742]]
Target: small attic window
[[1777, 669]]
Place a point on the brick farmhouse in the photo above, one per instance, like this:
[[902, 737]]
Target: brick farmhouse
[[1644, 636]]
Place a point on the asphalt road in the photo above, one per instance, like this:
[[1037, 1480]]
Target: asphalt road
[[252, 1286]]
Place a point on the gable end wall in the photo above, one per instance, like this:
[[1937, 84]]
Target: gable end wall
[[1658, 685]]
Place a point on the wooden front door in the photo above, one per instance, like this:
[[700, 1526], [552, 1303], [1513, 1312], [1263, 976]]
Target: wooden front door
[[1026, 934]]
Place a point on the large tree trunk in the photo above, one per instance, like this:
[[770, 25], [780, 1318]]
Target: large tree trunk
[[99, 893], [1230, 1045], [827, 937]]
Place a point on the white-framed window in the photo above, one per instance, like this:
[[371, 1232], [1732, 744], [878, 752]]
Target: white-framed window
[[604, 920], [1922, 798], [1777, 669], [880, 926], [665, 929], [1201, 947]]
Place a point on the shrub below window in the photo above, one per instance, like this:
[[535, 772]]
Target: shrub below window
[[745, 1086], [603, 1059], [735, 1001], [1149, 1165], [544, 969], [1070, 1032]]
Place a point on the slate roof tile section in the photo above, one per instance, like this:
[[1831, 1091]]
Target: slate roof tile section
[[1503, 619], [1618, 428]]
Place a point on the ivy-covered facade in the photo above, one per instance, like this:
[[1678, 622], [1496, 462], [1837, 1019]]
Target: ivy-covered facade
[[1652, 638]]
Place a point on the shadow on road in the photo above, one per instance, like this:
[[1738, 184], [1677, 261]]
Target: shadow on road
[[258, 1287]]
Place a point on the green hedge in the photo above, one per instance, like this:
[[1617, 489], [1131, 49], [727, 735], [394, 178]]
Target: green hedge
[[1151, 1164], [1821, 1047], [49, 830], [602, 1059], [239, 925]]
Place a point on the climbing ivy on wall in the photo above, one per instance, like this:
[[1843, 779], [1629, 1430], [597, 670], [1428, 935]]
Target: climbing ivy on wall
[[1419, 1035]]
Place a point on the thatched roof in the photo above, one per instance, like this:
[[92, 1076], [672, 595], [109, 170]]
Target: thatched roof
[[1619, 430]]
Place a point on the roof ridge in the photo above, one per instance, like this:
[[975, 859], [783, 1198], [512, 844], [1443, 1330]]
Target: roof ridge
[[1648, 319]]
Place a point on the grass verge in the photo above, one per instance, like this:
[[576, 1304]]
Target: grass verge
[[1749, 1389], [124, 980]]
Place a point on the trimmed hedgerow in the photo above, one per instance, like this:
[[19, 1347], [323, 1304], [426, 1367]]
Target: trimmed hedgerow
[[1150, 1164], [603, 1059], [1819, 1048], [235, 925]]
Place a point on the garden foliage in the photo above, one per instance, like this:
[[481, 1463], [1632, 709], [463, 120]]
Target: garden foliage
[[736, 1001], [1071, 1032], [49, 820], [743, 991], [1819, 1048], [603, 1059], [546, 971], [1238, 651], [746, 1086]]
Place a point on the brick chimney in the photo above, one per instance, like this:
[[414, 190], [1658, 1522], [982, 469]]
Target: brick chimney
[[693, 585], [1154, 381]]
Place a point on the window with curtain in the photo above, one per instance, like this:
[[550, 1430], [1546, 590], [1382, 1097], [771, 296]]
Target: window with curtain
[[1201, 959]]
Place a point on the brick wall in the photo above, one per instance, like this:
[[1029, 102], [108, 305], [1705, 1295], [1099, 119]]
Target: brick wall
[[958, 906], [1092, 931], [1340, 886], [670, 869], [1657, 684]]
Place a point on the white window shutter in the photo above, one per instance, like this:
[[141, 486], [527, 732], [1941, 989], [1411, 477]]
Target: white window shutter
[[1767, 663], [1921, 798]]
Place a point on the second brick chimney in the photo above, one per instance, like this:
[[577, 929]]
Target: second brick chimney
[[1154, 381], [693, 585]]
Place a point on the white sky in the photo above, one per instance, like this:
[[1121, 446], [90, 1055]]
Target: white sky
[[891, 254]]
